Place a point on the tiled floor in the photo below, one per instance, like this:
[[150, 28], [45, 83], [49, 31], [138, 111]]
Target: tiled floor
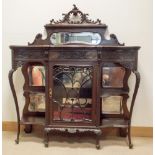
[[33, 145]]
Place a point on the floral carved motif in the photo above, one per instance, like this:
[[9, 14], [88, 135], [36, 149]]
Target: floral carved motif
[[75, 16]]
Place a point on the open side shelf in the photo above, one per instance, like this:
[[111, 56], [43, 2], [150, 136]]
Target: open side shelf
[[39, 120], [113, 91], [114, 122], [35, 89]]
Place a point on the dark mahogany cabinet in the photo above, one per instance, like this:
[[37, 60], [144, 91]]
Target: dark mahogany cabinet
[[76, 80]]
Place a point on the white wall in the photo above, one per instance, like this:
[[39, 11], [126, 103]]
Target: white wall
[[130, 20]]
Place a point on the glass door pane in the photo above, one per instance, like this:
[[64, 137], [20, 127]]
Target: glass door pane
[[72, 94]]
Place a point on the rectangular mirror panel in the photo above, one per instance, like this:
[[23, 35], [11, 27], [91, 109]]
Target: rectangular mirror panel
[[61, 38], [112, 104], [113, 77], [36, 75], [37, 102]]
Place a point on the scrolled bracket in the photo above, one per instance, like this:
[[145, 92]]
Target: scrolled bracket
[[38, 40], [113, 37], [127, 65]]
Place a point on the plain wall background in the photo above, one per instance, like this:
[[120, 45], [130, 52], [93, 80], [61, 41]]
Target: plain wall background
[[130, 20]]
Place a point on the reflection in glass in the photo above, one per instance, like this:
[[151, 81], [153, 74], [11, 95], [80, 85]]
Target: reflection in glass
[[71, 37], [36, 75], [37, 102], [72, 94], [111, 104], [113, 76]]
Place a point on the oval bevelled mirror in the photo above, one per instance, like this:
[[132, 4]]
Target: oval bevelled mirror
[[61, 38]]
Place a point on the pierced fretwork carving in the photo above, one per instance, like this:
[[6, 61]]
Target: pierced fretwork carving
[[17, 64], [73, 103], [74, 19], [129, 65], [74, 130], [75, 16]]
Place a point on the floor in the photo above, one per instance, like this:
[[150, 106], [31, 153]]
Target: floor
[[31, 144]]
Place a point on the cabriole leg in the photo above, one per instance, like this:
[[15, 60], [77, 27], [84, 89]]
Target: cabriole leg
[[129, 138], [132, 105], [16, 103]]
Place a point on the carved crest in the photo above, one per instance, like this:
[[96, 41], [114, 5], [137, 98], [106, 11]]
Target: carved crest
[[75, 19], [75, 16]]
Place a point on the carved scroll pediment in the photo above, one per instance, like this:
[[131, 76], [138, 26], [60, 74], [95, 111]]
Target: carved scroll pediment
[[75, 16], [75, 19]]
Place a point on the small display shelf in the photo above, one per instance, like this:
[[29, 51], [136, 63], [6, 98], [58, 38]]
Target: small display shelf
[[39, 120], [35, 89], [114, 122], [113, 91]]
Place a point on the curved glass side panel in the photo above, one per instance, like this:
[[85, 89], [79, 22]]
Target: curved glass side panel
[[61, 38]]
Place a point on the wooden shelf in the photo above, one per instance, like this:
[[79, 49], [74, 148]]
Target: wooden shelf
[[114, 122], [40, 120], [35, 89], [105, 92]]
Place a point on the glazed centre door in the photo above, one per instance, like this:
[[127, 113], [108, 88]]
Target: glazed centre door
[[71, 93]]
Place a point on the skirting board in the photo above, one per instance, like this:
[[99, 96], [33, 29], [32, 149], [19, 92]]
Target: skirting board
[[135, 131]]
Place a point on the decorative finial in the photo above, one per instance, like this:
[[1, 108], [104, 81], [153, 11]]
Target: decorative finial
[[75, 7]]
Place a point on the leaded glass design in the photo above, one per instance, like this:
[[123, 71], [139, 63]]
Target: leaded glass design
[[72, 93]]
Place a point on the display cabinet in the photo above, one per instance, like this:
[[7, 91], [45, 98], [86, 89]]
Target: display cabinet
[[76, 80]]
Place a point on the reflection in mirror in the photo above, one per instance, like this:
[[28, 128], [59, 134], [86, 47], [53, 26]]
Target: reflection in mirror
[[36, 75], [113, 76], [75, 38], [112, 104], [37, 102]]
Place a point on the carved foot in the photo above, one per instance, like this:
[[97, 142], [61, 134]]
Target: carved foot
[[130, 146], [28, 129], [46, 138], [98, 146], [129, 139], [17, 141], [46, 144]]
